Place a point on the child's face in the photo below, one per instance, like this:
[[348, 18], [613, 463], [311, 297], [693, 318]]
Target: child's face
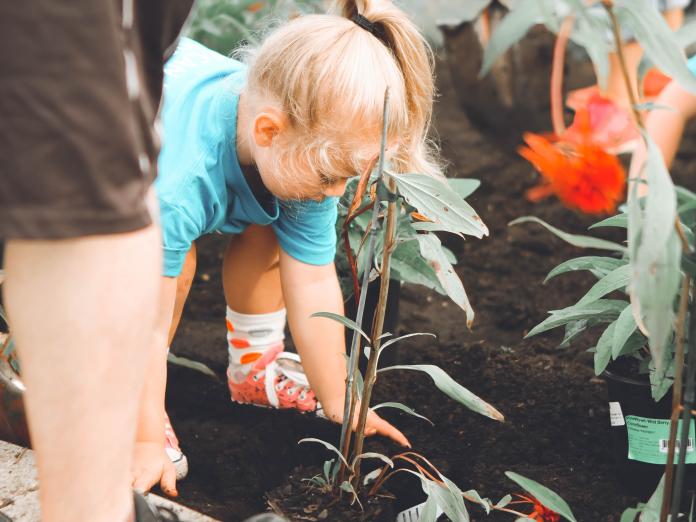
[[291, 176]]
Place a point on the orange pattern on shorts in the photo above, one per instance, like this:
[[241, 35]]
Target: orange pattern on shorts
[[250, 358], [230, 328], [240, 343]]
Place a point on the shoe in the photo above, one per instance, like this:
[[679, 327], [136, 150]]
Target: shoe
[[146, 512], [277, 380], [171, 446], [611, 126]]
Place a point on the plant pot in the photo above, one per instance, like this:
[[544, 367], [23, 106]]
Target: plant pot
[[639, 434], [391, 320]]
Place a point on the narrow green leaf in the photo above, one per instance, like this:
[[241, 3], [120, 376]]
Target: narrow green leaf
[[619, 221], [404, 408], [625, 326], [348, 323], [504, 501], [407, 336], [602, 354], [192, 365], [605, 310], [435, 199], [372, 455], [544, 495], [327, 445], [573, 239], [598, 265], [617, 279], [452, 389], [431, 248]]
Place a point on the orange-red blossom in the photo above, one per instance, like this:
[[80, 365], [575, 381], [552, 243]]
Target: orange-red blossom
[[541, 513], [576, 168]]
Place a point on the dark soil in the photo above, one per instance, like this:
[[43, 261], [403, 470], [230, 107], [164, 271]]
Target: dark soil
[[557, 421]]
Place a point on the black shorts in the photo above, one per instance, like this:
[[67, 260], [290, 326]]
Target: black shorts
[[80, 87]]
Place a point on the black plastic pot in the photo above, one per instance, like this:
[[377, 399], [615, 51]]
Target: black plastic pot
[[639, 434], [391, 320]]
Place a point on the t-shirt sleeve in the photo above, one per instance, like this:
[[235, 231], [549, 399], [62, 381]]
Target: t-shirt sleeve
[[179, 231], [306, 230], [692, 65]]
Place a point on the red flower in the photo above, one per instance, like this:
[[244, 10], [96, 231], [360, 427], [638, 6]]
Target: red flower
[[576, 168], [541, 513]]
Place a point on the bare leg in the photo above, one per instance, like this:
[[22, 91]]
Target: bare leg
[[82, 313], [253, 287]]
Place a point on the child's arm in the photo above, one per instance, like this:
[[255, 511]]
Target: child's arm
[[308, 289], [666, 126]]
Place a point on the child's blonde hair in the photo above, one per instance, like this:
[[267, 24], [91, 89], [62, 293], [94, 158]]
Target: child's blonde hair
[[329, 76]]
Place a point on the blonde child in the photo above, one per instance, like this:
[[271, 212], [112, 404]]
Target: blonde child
[[261, 151]]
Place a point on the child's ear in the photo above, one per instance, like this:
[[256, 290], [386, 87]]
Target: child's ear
[[267, 125]]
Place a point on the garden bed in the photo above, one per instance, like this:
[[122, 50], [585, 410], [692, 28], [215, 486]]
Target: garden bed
[[557, 429]]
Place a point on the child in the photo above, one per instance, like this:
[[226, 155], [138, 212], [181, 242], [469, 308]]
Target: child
[[262, 151], [666, 125]]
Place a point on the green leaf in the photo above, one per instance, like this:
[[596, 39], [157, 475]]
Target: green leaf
[[436, 200], [619, 220], [404, 408], [625, 326], [348, 323], [504, 501], [656, 258], [602, 354], [407, 336], [617, 279], [327, 445], [657, 39], [473, 496], [409, 266], [192, 365], [605, 310], [372, 455], [463, 186], [573, 239], [431, 249], [525, 15], [452, 389], [544, 495], [598, 265]]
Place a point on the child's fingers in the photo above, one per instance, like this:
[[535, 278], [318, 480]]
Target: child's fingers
[[168, 481], [142, 482], [382, 427]]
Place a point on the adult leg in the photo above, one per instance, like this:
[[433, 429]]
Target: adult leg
[[82, 312]]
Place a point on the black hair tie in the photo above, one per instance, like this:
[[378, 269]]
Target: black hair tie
[[375, 29]]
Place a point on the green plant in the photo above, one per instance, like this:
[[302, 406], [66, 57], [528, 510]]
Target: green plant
[[223, 25]]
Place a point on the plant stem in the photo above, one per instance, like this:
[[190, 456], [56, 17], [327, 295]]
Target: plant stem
[[557, 67], [683, 304], [349, 401], [676, 395], [378, 325]]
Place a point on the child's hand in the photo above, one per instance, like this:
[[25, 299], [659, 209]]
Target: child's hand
[[375, 425], [151, 465]]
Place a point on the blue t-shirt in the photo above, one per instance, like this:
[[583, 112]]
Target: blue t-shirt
[[692, 64], [200, 184]]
